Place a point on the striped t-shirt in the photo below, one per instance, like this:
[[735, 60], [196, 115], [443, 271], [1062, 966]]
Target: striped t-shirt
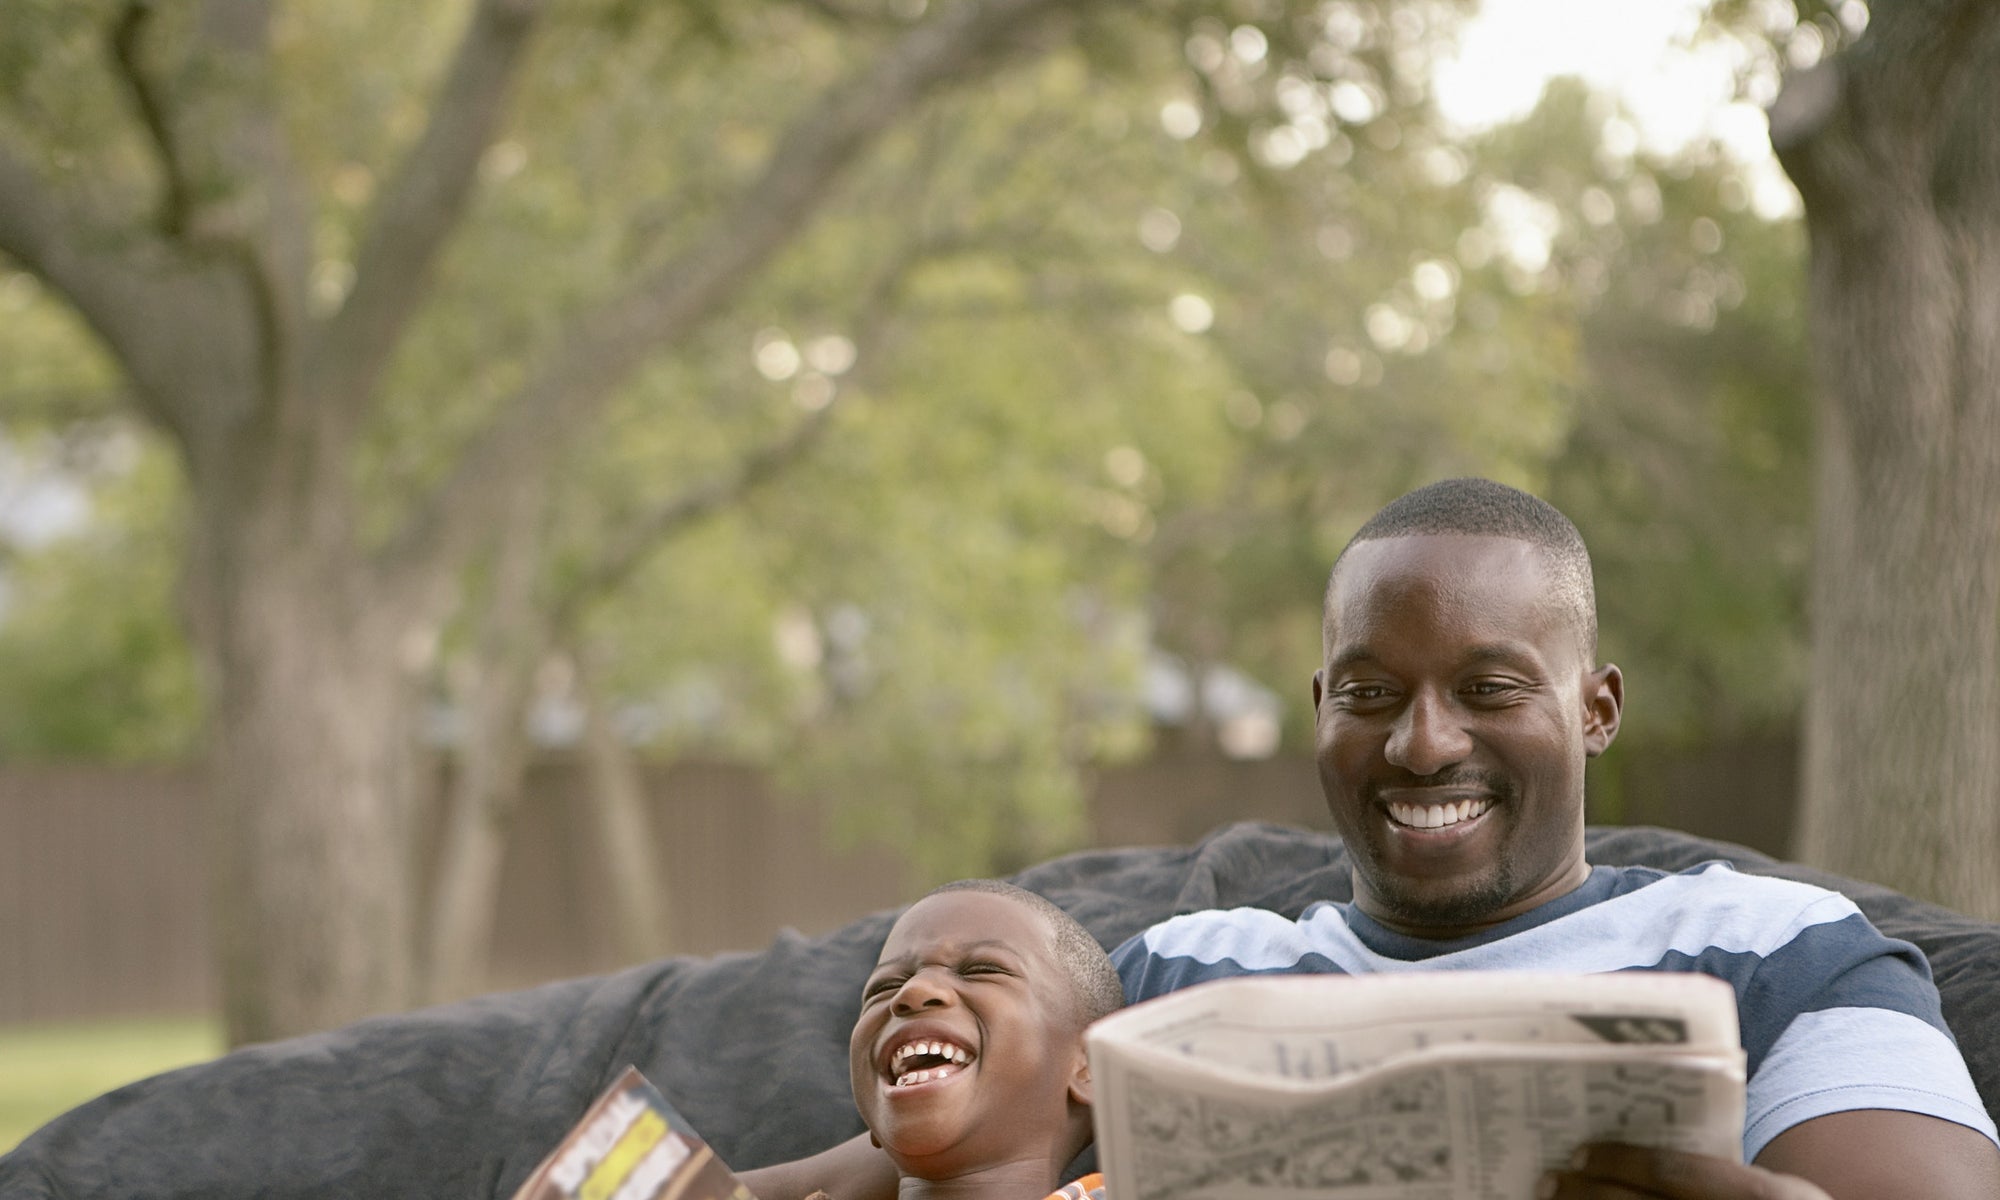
[[1834, 1015]]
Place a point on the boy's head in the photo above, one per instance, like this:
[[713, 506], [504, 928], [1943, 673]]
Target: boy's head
[[969, 1049]]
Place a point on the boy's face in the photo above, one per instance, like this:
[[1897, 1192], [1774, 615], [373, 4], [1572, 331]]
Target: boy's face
[[967, 1052]]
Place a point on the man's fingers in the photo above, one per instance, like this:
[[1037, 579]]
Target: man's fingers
[[1609, 1171], [1568, 1185]]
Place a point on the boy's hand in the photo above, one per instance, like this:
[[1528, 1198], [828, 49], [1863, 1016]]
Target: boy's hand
[[1609, 1171]]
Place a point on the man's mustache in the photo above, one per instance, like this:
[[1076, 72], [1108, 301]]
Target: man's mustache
[[1463, 778]]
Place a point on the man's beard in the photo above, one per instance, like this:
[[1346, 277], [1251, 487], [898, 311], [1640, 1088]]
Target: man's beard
[[1472, 904]]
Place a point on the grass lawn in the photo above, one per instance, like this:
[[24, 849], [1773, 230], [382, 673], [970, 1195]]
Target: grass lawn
[[47, 1068]]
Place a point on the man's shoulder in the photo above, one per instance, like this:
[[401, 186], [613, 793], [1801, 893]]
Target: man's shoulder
[[1221, 926], [1220, 943], [1715, 892], [1708, 917]]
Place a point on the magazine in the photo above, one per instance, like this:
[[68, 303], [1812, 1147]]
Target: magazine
[[1446, 1085], [632, 1145]]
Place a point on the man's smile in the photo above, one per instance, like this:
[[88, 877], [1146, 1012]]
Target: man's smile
[[1449, 804], [1416, 814]]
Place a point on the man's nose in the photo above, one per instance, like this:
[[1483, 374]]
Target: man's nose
[[920, 991], [1427, 736]]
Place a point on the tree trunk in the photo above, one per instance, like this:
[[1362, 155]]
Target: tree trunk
[[1895, 146], [480, 805], [631, 866], [302, 624], [310, 801], [491, 757]]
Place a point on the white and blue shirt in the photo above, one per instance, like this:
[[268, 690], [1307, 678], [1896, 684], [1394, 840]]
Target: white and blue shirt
[[1834, 1015]]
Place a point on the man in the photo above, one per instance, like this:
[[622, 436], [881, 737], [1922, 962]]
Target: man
[[1456, 704]]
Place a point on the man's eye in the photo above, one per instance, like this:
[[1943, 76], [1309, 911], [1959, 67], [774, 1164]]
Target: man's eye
[[1363, 693], [1489, 687], [982, 968], [880, 987]]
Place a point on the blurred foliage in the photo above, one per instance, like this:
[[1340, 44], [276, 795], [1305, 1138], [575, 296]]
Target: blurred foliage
[[92, 660], [1119, 347]]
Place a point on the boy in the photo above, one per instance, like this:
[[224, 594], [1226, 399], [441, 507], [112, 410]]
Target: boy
[[967, 1060]]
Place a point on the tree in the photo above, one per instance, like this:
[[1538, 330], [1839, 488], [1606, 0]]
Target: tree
[[301, 237], [1894, 144], [270, 372], [443, 413], [1686, 462]]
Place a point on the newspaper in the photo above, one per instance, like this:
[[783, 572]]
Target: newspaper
[[632, 1145], [1447, 1085]]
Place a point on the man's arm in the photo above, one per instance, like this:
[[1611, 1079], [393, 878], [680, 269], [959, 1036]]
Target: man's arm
[[1867, 1154], [856, 1169]]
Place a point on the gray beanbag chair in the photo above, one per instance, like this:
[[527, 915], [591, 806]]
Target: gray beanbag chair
[[462, 1100]]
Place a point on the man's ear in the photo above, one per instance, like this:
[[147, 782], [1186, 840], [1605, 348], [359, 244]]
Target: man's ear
[[1079, 1077], [1603, 704]]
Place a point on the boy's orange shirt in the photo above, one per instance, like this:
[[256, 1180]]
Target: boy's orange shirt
[[1090, 1187]]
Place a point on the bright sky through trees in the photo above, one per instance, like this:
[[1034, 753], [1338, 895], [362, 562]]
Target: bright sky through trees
[[1644, 51]]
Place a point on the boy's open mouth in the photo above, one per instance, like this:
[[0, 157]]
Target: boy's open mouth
[[926, 1060]]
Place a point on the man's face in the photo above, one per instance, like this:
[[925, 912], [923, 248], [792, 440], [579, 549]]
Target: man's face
[[967, 1052], [1455, 709]]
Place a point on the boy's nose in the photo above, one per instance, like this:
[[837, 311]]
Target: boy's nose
[[920, 991]]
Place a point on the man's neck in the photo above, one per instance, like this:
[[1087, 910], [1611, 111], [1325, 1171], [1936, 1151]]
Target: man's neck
[[1022, 1179]]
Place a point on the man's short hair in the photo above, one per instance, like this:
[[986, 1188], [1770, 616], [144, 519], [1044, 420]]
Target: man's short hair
[[1092, 978], [1482, 508]]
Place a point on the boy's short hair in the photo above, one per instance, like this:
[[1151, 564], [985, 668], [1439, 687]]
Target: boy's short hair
[[1092, 979]]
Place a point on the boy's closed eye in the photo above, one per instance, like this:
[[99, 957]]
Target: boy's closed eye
[[986, 967]]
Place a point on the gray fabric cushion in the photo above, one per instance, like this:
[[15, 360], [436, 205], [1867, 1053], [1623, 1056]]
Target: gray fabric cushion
[[462, 1100]]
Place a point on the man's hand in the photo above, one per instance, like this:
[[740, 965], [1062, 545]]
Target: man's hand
[[1866, 1154], [1608, 1171]]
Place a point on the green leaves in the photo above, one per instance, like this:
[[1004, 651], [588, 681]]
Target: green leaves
[[1120, 344]]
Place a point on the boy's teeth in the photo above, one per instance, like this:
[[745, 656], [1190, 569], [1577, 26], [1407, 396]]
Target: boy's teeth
[[925, 1076], [943, 1050]]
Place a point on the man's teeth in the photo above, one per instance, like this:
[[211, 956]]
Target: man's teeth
[[926, 1076], [1436, 816]]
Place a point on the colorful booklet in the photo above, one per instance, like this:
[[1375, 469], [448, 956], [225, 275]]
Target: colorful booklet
[[632, 1145]]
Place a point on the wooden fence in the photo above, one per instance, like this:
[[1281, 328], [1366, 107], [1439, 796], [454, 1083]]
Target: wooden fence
[[103, 902]]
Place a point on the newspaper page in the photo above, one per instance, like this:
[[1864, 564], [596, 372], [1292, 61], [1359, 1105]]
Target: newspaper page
[[1444, 1085], [632, 1145]]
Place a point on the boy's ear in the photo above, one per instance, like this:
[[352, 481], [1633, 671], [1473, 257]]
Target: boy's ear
[[1079, 1077]]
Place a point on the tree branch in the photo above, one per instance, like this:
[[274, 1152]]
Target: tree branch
[[126, 53], [845, 13], [1807, 104], [608, 342], [48, 235], [67, 407], [632, 546], [422, 204], [637, 541], [221, 137]]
